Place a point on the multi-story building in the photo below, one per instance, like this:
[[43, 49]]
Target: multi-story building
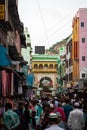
[[44, 68], [79, 45], [10, 30], [27, 50], [61, 66], [69, 62]]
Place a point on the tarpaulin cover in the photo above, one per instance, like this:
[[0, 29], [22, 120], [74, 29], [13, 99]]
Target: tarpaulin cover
[[4, 60], [30, 79]]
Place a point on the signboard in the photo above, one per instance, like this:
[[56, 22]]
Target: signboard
[[2, 12], [39, 49]]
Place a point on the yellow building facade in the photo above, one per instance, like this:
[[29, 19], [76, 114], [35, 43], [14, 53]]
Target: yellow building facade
[[45, 67], [75, 49]]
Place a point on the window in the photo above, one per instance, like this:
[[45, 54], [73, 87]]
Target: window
[[51, 66], [28, 35], [83, 75], [35, 66], [82, 24], [45, 66], [40, 66], [83, 40], [56, 66], [83, 58]]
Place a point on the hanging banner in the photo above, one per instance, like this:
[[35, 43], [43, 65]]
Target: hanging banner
[[2, 10]]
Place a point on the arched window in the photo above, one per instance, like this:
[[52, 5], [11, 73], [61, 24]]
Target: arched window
[[51, 66], [45, 66], [56, 66], [35, 66], [40, 66]]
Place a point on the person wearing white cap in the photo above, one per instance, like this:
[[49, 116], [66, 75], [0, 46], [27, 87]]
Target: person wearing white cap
[[53, 122], [51, 108], [76, 118]]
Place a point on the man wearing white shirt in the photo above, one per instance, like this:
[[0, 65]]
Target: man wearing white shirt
[[76, 118], [53, 122]]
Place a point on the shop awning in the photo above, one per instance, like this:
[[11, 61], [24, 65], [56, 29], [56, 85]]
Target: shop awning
[[4, 59]]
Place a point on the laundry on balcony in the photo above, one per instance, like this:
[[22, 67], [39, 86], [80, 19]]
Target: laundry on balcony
[[4, 59]]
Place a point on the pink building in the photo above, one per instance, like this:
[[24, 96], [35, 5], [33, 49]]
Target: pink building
[[82, 15]]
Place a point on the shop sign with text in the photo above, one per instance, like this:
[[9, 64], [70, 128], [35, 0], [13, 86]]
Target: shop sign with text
[[2, 12]]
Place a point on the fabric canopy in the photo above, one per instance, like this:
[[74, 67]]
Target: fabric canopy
[[4, 60], [30, 79]]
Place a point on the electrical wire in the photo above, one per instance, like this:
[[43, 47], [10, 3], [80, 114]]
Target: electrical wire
[[42, 19], [58, 30]]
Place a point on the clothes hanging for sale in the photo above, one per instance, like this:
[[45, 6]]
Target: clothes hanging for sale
[[30, 79], [12, 84], [16, 83], [4, 57], [20, 90], [4, 80], [9, 84], [0, 83]]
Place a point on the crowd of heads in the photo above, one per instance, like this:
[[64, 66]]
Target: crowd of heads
[[52, 108]]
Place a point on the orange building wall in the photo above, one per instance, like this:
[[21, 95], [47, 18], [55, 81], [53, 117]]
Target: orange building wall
[[75, 48]]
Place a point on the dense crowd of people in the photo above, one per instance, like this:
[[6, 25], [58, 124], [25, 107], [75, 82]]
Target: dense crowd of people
[[44, 114]]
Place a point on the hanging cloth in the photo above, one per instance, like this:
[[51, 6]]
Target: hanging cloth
[[4, 83], [9, 84], [20, 90], [0, 83], [4, 60], [12, 84]]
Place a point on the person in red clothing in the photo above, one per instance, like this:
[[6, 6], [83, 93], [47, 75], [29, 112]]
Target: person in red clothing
[[61, 111]]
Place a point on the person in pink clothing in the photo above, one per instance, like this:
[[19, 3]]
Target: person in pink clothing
[[31, 107], [61, 111]]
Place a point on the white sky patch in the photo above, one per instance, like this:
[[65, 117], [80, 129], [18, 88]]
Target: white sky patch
[[49, 21]]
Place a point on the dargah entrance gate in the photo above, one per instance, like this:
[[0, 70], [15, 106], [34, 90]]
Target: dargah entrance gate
[[44, 68]]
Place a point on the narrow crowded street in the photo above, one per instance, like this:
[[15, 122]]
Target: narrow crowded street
[[40, 113], [43, 65]]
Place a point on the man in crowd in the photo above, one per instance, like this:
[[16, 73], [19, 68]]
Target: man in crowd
[[76, 118], [11, 119], [67, 108], [53, 122]]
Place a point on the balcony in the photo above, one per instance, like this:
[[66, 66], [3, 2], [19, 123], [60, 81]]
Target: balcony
[[37, 70]]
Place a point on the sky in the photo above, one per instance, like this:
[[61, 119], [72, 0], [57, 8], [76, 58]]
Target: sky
[[48, 21]]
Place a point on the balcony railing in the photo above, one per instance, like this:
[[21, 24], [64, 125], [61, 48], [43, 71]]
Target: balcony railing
[[45, 70]]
